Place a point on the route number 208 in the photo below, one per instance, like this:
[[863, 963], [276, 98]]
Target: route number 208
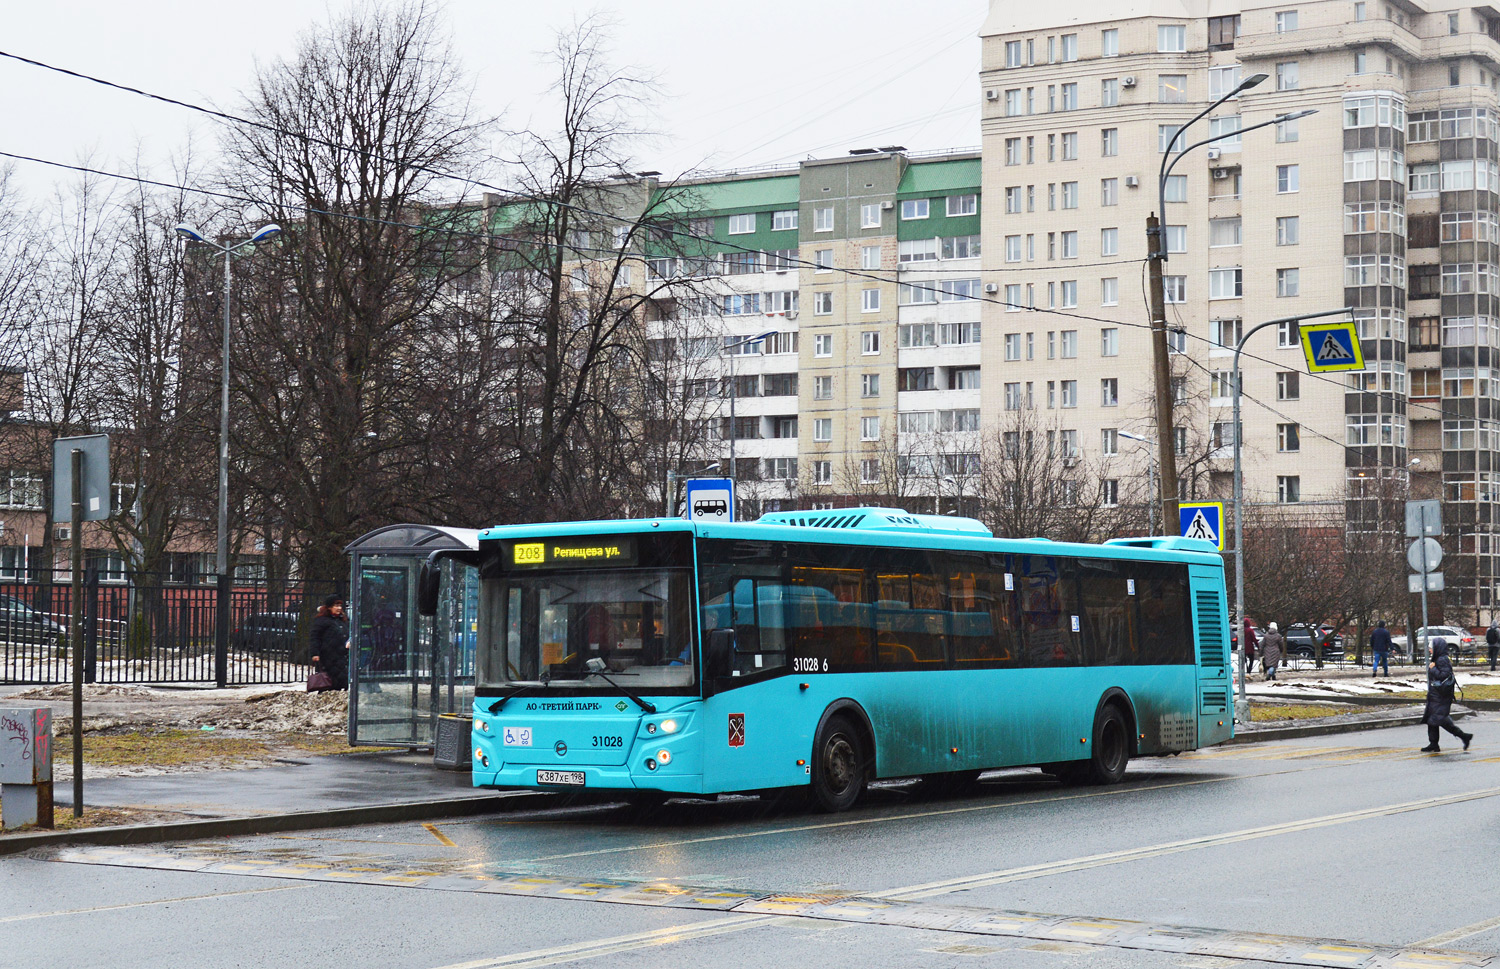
[[808, 664]]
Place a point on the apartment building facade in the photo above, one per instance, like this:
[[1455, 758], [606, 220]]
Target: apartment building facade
[[1384, 200]]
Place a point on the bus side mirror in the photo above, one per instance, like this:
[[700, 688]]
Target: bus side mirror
[[429, 580], [718, 656]]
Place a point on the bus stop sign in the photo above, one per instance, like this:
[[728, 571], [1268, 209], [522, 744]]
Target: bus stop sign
[[710, 500], [96, 490]]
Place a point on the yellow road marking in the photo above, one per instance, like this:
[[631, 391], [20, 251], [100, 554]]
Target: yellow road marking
[[447, 841], [619, 943], [159, 901]]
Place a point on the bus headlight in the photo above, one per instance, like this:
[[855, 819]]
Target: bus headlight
[[664, 756], [650, 764], [669, 726], [651, 728], [484, 726], [481, 758]]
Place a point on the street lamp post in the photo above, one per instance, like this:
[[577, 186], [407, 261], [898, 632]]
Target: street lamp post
[[733, 431], [1242, 705], [673, 477], [1156, 249], [1150, 477], [221, 560]]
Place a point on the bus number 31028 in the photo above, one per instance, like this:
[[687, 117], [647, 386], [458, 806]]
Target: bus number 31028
[[808, 664]]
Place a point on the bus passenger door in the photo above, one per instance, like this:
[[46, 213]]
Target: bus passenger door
[[1211, 646]]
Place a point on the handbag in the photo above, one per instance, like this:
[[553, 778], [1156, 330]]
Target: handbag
[[317, 681]]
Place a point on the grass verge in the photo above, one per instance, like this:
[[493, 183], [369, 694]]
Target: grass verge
[[1267, 712]]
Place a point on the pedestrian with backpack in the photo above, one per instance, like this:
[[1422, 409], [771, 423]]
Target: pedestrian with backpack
[[1492, 638]]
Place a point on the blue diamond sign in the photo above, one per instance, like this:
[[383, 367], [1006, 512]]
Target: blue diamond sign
[[1202, 520], [1332, 346]]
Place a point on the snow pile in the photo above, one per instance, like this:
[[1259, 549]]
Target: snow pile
[[289, 711], [91, 691]]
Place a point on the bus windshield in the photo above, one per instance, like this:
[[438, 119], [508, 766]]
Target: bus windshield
[[547, 626]]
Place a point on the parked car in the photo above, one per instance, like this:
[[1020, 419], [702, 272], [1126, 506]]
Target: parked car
[[1300, 641], [19, 623], [268, 632], [1460, 640]]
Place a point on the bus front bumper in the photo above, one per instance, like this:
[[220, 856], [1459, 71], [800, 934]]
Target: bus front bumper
[[594, 778]]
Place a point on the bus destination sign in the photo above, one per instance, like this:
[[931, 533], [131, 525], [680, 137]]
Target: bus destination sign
[[565, 552]]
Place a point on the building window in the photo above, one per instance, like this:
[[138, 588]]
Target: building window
[[1224, 232], [1288, 335], [914, 209], [1359, 12], [1109, 442], [823, 218], [1109, 492], [1288, 385], [823, 260], [1110, 142], [963, 378], [869, 342], [1453, 78], [869, 257], [1175, 288], [1288, 179], [1069, 342], [1222, 32], [1287, 282], [1109, 191], [916, 335], [822, 304], [1013, 53], [1176, 237], [869, 215], [869, 470], [1012, 346], [1067, 45], [823, 345], [1109, 342], [1013, 151], [1286, 20], [1288, 230], [1223, 80], [869, 428], [784, 219], [1069, 244], [1069, 144], [1176, 189], [1014, 106], [742, 224], [1012, 248], [822, 472], [1287, 131], [1171, 88], [822, 388], [1286, 76], [1288, 438], [1224, 333], [1166, 138], [1226, 283], [969, 204], [1288, 488], [916, 378], [869, 301], [916, 250], [1069, 97], [1067, 393], [1070, 195], [869, 385], [1109, 242], [1109, 42], [1109, 92], [1013, 298], [1109, 291], [1171, 38], [1226, 129], [823, 429], [1109, 392]]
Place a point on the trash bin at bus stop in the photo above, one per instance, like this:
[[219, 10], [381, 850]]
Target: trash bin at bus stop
[[453, 748]]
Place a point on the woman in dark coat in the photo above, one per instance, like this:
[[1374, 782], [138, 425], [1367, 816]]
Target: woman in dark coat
[[330, 642], [1440, 684]]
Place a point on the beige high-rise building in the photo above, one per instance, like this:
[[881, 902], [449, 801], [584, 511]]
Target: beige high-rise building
[[1385, 200]]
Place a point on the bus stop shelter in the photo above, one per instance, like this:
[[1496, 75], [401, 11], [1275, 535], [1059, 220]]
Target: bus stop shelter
[[406, 669]]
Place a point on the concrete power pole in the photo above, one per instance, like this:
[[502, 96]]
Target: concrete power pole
[[1166, 432]]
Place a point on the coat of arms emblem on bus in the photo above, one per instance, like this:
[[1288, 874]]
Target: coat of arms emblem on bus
[[736, 730]]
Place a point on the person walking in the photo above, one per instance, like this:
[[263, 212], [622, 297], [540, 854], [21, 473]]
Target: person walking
[[1272, 645], [330, 642], [1440, 683], [1492, 638], [1380, 646], [1247, 647]]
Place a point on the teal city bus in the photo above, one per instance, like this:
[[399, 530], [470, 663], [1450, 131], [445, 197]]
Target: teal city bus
[[823, 650]]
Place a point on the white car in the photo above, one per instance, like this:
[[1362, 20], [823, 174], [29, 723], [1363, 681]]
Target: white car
[[1460, 641]]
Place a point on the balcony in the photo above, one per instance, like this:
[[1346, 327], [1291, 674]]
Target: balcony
[[1330, 37]]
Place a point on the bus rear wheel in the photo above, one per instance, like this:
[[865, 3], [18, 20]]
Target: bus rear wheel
[[1111, 753], [838, 767]]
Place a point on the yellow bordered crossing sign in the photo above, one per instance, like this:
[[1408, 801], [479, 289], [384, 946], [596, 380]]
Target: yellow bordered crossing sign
[[1203, 520], [1332, 346]]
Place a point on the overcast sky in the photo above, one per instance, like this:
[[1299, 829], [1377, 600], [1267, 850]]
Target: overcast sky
[[740, 85]]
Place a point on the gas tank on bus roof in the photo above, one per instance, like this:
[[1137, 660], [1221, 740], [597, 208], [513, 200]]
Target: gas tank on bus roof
[[883, 519]]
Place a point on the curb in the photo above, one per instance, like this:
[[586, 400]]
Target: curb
[[132, 834], [1326, 729], [1364, 700]]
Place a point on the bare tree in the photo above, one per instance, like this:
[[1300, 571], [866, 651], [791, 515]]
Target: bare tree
[[335, 402]]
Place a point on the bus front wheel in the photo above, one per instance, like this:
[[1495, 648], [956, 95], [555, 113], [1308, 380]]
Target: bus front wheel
[[838, 767]]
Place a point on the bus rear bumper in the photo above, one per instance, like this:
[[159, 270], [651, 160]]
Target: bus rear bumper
[[616, 778]]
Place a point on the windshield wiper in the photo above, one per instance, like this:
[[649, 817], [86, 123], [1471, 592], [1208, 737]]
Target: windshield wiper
[[494, 707], [596, 666]]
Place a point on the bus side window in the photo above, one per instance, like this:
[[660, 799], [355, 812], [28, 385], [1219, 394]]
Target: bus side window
[[983, 626], [1108, 612]]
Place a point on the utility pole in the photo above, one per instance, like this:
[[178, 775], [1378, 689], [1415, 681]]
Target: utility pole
[[1166, 433]]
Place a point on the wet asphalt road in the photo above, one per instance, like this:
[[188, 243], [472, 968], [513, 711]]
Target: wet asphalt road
[[1356, 837]]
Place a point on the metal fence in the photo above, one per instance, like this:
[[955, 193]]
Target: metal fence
[[154, 631]]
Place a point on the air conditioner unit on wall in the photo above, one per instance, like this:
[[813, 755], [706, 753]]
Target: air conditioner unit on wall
[[1213, 154], [1132, 181], [62, 533], [887, 205], [990, 94], [992, 287], [1070, 462], [1128, 81], [1221, 173]]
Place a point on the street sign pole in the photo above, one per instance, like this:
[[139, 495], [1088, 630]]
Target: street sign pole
[[1423, 541], [75, 629]]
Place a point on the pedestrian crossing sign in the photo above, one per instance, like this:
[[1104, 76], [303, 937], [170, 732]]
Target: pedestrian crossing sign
[[1203, 520], [1332, 346]]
